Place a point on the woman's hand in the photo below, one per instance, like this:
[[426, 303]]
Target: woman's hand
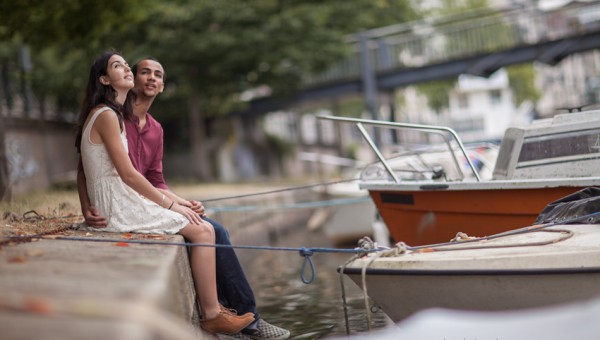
[[190, 214], [198, 207]]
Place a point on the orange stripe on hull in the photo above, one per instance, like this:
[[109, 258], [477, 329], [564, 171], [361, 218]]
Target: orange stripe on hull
[[425, 217]]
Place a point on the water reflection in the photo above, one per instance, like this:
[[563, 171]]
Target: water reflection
[[309, 311]]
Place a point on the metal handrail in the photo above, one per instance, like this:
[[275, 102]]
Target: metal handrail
[[428, 42], [427, 128]]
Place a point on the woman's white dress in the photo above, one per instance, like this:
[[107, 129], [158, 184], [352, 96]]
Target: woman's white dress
[[124, 208]]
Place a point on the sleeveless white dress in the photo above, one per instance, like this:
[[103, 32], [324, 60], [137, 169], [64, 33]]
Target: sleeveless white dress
[[124, 208]]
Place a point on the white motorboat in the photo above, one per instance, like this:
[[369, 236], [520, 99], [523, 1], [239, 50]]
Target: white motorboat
[[356, 215], [524, 268], [536, 164]]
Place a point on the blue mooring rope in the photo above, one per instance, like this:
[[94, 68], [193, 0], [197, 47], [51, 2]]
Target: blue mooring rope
[[303, 251], [306, 252]]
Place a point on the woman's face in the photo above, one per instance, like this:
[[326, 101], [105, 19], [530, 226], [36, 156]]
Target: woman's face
[[118, 74]]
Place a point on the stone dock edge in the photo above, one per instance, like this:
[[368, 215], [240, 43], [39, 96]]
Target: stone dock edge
[[59, 289]]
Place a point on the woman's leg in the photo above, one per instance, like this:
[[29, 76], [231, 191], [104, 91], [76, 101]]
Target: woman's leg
[[233, 288], [202, 261]]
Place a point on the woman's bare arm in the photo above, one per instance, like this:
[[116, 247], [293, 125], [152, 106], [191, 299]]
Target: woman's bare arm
[[107, 128]]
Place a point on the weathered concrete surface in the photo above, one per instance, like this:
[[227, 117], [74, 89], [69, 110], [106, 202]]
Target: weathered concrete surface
[[56, 289]]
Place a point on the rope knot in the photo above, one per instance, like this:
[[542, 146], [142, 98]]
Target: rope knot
[[365, 246], [397, 250], [307, 253], [460, 236]]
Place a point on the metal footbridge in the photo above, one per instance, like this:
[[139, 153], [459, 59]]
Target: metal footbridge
[[477, 43]]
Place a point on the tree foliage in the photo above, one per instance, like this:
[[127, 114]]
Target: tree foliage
[[219, 49], [216, 49], [41, 23], [212, 50], [522, 81]]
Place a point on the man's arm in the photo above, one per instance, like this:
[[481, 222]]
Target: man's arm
[[154, 172], [154, 175], [90, 213]]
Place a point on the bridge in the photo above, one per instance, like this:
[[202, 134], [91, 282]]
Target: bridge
[[477, 43]]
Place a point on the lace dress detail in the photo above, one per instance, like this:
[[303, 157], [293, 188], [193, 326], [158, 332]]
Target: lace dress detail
[[124, 208]]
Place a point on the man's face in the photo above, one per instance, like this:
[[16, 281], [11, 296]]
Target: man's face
[[149, 78]]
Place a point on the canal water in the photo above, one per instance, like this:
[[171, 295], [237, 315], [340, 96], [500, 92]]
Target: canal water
[[309, 311]]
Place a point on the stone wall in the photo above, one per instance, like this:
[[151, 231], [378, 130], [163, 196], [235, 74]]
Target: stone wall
[[39, 154]]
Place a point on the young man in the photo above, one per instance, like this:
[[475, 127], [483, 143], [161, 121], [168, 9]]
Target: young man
[[145, 141]]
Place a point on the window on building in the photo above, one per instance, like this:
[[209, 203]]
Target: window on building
[[328, 135], [309, 129], [495, 97], [463, 101]]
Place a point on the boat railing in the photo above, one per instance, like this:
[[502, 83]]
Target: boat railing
[[440, 130]]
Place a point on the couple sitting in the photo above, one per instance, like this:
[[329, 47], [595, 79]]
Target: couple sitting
[[122, 189]]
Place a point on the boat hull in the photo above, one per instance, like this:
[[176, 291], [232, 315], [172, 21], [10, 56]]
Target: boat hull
[[432, 213], [522, 269], [475, 291], [351, 222]]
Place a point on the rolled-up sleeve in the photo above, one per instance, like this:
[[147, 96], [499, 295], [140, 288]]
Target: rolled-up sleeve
[[146, 149], [154, 173]]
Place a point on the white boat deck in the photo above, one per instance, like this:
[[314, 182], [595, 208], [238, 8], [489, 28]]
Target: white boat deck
[[511, 253], [481, 185]]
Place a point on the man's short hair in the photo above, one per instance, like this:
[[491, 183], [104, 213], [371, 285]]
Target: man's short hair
[[134, 68]]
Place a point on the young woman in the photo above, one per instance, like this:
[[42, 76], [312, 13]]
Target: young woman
[[127, 199]]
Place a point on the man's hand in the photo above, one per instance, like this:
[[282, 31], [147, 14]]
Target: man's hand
[[198, 208], [94, 219]]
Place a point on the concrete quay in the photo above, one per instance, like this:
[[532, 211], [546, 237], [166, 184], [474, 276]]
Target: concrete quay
[[66, 290], [57, 289]]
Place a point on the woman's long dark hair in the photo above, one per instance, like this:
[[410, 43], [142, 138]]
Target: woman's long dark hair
[[97, 94]]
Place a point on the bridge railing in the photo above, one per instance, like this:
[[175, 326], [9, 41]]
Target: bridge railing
[[428, 42]]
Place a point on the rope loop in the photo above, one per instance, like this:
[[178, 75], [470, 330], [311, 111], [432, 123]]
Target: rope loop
[[307, 253], [399, 249]]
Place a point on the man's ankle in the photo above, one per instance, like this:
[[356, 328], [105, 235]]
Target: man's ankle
[[252, 329]]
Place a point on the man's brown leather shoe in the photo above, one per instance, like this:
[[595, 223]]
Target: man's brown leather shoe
[[231, 311], [227, 323]]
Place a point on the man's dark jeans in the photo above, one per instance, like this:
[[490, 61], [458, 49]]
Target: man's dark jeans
[[232, 286]]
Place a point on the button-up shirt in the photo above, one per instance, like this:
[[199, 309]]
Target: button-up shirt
[[146, 149]]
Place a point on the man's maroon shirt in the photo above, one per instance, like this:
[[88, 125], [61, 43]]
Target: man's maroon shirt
[[146, 149]]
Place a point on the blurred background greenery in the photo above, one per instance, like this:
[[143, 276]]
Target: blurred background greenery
[[212, 50]]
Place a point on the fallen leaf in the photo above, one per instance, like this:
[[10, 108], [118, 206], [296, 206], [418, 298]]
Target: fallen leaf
[[17, 259], [155, 237], [127, 235], [35, 253], [38, 306], [121, 244]]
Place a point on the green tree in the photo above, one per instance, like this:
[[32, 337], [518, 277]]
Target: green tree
[[216, 50], [213, 50], [521, 78], [42, 23], [62, 37]]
